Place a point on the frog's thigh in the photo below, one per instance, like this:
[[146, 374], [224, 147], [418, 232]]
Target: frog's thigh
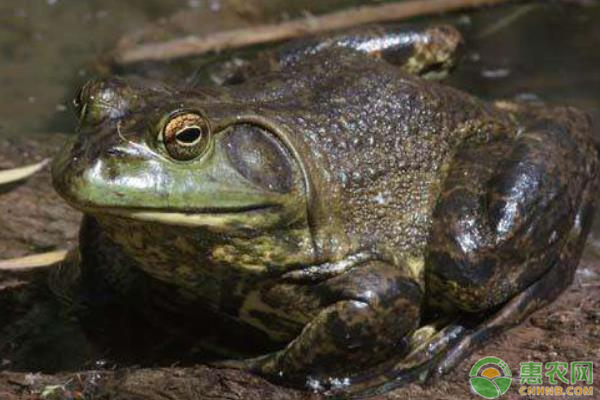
[[505, 213], [416, 49], [539, 294], [368, 310], [441, 352], [422, 51]]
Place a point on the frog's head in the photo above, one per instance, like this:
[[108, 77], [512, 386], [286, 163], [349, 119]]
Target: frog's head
[[150, 154]]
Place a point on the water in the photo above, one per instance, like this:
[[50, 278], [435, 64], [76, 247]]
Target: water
[[49, 47], [544, 52]]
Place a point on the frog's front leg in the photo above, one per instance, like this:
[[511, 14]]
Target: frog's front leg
[[365, 314]]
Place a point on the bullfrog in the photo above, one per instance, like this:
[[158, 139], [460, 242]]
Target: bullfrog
[[334, 198]]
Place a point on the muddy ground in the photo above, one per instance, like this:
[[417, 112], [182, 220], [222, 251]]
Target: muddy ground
[[34, 219]]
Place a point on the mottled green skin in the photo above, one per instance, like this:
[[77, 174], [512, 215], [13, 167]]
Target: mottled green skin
[[404, 198]]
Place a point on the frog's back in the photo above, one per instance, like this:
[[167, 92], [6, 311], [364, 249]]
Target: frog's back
[[380, 135]]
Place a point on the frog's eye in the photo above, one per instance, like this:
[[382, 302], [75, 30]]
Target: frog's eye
[[186, 136]]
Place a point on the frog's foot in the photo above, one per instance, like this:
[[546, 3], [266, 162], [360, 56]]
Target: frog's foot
[[427, 345], [445, 349]]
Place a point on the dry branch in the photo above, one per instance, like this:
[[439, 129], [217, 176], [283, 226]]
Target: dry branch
[[196, 45], [33, 261], [21, 173]]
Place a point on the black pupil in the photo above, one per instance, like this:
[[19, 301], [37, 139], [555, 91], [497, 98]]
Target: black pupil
[[189, 135]]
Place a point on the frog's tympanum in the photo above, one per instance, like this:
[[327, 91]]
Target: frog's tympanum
[[371, 223]]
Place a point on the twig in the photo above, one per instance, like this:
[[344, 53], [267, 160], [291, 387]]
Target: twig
[[508, 20], [35, 261], [19, 174], [195, 45], [11, 284]]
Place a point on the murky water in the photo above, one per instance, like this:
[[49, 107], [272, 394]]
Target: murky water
[[545, 52], [48, 47]]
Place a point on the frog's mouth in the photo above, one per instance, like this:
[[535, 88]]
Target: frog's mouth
[[249, 217], [250, 179]]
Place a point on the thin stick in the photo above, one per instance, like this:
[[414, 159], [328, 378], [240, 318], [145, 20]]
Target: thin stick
[[195, 45], [11, 284], [507, 21], [21, 173], [35, 261]]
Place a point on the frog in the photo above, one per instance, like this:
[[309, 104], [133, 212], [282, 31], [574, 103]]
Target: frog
[[333, 197]]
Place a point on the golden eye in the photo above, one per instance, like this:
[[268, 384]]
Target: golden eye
[[186, 136]]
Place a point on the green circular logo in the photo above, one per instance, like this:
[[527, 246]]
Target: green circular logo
[[490, 377]]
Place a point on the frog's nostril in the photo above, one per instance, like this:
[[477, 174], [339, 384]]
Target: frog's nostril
[[78, 101]]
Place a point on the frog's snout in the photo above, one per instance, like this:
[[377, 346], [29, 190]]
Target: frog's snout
[[101, 99]]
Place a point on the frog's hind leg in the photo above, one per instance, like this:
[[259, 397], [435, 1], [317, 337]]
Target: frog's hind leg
[[437, 351], [428, 52], [511, 224], [539, 188], [536, 296]]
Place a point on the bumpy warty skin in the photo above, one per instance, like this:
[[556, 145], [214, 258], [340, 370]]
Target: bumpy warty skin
[[341, 203], [376, 139]]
